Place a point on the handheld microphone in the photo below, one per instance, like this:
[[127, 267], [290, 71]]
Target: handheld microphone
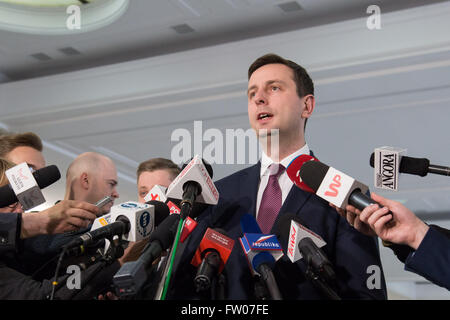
[[290, 231], [303, 243], [261, 251], [120, 226], [44, 177], [316, 259], [293, 170], [132, 275], [332, 185], [210, 258], [193, 184], [417, 166], [387, 167], [141, 218]]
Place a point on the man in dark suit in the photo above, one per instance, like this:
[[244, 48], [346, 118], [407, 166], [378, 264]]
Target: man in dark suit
[[424, 249], [280, 100]]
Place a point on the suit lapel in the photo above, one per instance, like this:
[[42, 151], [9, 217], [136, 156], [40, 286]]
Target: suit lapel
[[249, 186], [294, 202]]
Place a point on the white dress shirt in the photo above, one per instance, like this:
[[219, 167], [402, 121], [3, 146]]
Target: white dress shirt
[[283, 180]]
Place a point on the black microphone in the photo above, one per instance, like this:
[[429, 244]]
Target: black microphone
[[417, 166], [319, 269], [210, 258], [161, 211], [132, 275], [317, 259], [161, 239], [193, 184], [44, 177], [312, 254], [262, 261], [191, 188], [337, 188], [120, 226]]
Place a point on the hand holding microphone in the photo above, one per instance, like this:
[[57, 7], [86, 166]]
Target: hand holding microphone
[[65, 216], [405, 227], [340, 190], [351, 214]]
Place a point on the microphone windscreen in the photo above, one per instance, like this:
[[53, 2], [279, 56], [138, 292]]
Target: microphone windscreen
[[44, 177], [208, 168], [47, 176], [283, 227], [161, 210], [293, 171], [165, 233], [313, 173], [263, 257], [416, 166]]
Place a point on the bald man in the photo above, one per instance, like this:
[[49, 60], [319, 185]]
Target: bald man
[[91, 177]]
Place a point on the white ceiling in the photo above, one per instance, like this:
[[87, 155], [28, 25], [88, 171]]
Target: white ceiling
[[137, 81], [145, 30]]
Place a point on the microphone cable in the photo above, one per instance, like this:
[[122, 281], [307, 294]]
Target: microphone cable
[[172, 257], [58, 266]]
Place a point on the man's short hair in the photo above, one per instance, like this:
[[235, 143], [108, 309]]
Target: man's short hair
[[4, 165], [302, 79], [158, 164], [9, 142]]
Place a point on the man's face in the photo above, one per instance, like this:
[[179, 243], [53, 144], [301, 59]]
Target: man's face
[[147, 180], [273, 102], [33, 157], [105, 184]]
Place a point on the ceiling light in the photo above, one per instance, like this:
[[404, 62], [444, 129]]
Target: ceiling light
[[70, 51], [57, 17], [290, 6], [183, 28], [41, 56]]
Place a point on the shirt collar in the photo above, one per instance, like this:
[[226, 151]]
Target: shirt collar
[[266, 161]]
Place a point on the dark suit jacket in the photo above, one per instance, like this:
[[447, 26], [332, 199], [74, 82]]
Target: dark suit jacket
[[94, 281], [349, 251], [432, 258], [10, 224]]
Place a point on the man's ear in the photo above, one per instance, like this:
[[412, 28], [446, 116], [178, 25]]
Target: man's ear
[[84, 181], [309, 103]]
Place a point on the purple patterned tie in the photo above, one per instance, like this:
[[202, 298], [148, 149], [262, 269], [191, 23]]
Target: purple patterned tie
[[271, 199]]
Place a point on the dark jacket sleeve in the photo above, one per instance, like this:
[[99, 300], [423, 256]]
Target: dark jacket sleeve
[[93, 281], [10, 224], [432, 258], [17, 286]]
